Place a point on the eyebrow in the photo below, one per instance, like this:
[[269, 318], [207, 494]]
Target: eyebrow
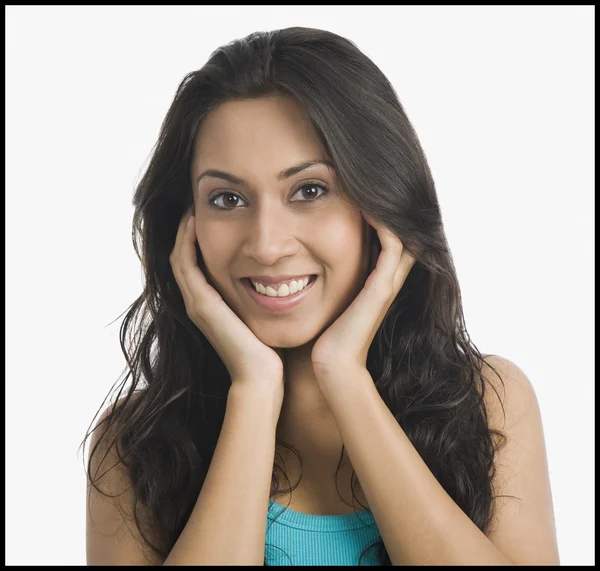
[[281, 176]]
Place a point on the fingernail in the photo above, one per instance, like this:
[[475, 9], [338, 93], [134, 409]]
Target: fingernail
[[190, 222]]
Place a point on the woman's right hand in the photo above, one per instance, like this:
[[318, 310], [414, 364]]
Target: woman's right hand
[[247, 359]]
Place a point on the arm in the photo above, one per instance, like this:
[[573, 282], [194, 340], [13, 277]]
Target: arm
[[228, 522], [227, 525], [419, 522]]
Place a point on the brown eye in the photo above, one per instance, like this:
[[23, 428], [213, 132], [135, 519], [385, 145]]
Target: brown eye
[[230, 200], [313, 194]]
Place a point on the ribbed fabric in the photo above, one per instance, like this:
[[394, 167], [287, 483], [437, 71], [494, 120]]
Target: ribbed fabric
[[294, 538]]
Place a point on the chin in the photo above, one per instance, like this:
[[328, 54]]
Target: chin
[[282, 337]]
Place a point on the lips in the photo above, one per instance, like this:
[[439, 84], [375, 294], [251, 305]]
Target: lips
[[276, 303], [276, 281], [277, 285]]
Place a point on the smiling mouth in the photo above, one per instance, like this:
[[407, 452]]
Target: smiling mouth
[[277, 303], [248, 281]]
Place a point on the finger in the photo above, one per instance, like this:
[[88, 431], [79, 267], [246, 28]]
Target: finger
[[384, 276], [179, 237], [176, 257], [195, 280], [406, 264]]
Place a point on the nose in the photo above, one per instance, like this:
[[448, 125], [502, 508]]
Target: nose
[[270, 235]]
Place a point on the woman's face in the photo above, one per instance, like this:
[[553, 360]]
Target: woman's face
[[266, 225]]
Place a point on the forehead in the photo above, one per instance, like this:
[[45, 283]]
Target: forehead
[[276, 130]]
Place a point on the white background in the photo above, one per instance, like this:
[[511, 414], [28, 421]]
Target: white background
[[502, 100]]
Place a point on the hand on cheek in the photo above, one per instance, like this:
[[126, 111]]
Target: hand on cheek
[[341, 351]]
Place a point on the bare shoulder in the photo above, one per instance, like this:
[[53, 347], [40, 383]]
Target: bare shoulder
[[112, 537], [507, 386], [523, 525]]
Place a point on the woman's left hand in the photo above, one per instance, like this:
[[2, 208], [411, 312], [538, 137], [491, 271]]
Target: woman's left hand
[[342, 349]]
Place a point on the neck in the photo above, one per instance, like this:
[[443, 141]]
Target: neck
[[306, 421]]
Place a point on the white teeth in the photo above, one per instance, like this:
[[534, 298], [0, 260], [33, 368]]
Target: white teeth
[[284, 290]]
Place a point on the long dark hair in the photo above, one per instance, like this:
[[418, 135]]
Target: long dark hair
[[423, 363]]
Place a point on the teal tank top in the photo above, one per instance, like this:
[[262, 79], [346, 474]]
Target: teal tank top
[[294, 538]]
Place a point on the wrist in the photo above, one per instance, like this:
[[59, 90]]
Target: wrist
[[264, 396]]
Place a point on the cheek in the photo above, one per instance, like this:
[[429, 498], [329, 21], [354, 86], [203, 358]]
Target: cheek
[[343, 232], [212, 255], [212, 243], [343, 245]]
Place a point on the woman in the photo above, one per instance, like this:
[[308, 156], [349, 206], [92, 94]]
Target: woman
[[301, 347]]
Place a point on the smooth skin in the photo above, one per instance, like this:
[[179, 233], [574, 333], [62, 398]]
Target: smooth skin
[[245, 357], [270, 228], [275, 227], [342, 350], [327, 337]]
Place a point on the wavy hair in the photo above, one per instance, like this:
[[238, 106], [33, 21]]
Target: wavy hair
[[422, 361]]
